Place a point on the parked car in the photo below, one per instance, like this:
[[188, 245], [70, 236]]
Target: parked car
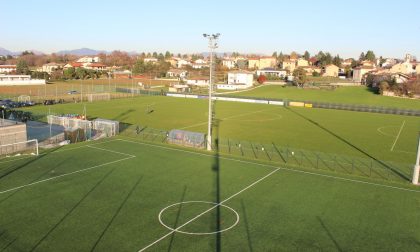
[[72, 92]]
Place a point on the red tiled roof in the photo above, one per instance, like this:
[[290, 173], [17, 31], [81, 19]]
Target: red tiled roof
[[8, 66]]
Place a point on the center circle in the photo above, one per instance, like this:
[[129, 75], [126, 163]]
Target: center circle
[[214, 205]]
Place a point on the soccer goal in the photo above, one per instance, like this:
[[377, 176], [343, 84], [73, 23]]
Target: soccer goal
[[24, 98], [99, 97], [109, 127], [20, 148]]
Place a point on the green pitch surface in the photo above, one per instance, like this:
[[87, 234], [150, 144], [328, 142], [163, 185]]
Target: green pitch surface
[[367, 135], [123, 195], [346, 95]]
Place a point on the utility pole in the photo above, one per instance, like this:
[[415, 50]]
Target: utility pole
[[212, 45]]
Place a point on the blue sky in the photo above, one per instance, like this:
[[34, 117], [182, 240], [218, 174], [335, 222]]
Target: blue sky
[[390, 28]]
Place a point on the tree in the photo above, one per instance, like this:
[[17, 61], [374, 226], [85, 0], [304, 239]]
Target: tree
[[22, 67], [155, 55], [281, 57], [370, 56], [294, 55], [26, 52], [306, 55], [261, 79], [383, 86], [362, 57], [337, 60], [167, 55], [69, 73], [300, 77], [274, 55]]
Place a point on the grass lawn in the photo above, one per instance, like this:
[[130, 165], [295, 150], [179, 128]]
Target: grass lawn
[[107, 196], [347, 95], [385, 137]]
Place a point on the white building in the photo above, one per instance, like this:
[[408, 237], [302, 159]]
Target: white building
[[272, 72], [151, 60], [201, 81], [87, 59], [238, 80], [181, 63], [12, 80], [199, 65], [359, 72], [229, 63], [177, 73], [7, 68], [50, 67]]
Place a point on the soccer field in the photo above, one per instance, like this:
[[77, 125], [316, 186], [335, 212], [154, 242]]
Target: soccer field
[[123, 195], [367, 135]]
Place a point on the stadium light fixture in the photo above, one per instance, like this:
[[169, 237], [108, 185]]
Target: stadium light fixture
[[212, 46]]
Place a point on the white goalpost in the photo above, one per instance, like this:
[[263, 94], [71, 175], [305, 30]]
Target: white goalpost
[[98, 97], [29, 147]]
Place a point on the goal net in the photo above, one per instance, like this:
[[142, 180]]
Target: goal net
[[99, 97], [20, 148], [24, 98], [109, 127]]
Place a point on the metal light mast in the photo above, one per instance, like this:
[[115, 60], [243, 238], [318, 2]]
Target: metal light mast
[[212, 45]]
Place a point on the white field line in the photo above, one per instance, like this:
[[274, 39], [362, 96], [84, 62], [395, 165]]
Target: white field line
[[229, 117], [282, 168], [398, 136], [208, 210], [117, 152], [63, 175]]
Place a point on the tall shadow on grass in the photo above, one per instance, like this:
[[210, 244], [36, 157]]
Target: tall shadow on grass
[[395, 171], [216, 169], [246, 225], [330, 235], [123, 115], [116, 213], [177, 219], [71, 210]]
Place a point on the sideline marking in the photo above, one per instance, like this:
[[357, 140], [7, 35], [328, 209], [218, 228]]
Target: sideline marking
[[63, 175], [282, 168], [198, 233], [384, 133], [398, 136], [229, 117], [208, 210]]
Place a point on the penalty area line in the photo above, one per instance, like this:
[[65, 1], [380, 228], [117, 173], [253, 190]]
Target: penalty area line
[[398, 136], [64, 175]]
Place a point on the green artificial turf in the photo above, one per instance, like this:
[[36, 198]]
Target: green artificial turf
[[107, 195]]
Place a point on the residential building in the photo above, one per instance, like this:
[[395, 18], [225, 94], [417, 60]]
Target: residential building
[[51, 67], [177, 73], [73, 64], [229, 63], [7, 68], [272, 72], [289, 65], [331, 70], [95, 66], [151, 60], [301, 62], [126, 74], [360, 72], [389, 63], [405, 67], [173, 61], [182, 63], [266, 62], [87, 59], [199, 65], [253, 63], [12, 80], [311, 69], [200, 81], [241, 63], [346, 63], [368, 63]]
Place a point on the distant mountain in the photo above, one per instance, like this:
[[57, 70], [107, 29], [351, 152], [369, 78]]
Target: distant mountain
[[81, 52], [5, 52]]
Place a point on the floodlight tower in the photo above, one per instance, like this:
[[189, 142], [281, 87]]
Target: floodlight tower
[[212, 45]]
